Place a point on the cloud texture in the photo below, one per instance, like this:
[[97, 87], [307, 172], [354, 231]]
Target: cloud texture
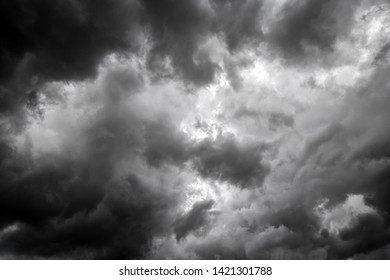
[[138, 129]]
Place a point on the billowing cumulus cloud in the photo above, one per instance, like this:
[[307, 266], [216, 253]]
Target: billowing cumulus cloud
[[139, 129]]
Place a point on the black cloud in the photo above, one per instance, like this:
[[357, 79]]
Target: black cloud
[[63, 39]]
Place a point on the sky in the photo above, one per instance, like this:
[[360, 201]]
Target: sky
[[194, 129]]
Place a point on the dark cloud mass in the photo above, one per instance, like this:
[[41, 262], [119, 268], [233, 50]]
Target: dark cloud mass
[[227, 160], [139, 129], [193, 220], [312, 23], [63, 39]]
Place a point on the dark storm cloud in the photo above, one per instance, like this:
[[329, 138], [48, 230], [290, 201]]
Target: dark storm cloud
[[114, 182], [165, 144], [222, 159], [66, 40], [73, 205], [58, 40], [196, 218], [369, 234], [63, 39], [177, 27], [120, 224], [315, 23], [345, 159], [373, 152], [238, 21], [342, 167], [226, 159]]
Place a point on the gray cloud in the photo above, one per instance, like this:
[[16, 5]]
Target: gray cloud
[[311, 23], [186, 129], [225, 159], [193, 220]]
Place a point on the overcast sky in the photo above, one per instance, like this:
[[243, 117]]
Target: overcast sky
[[194, 129]]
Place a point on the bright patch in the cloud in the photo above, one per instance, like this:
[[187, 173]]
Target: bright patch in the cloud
[[204, 121], [198, 190], [344, 215], [61, 120]]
